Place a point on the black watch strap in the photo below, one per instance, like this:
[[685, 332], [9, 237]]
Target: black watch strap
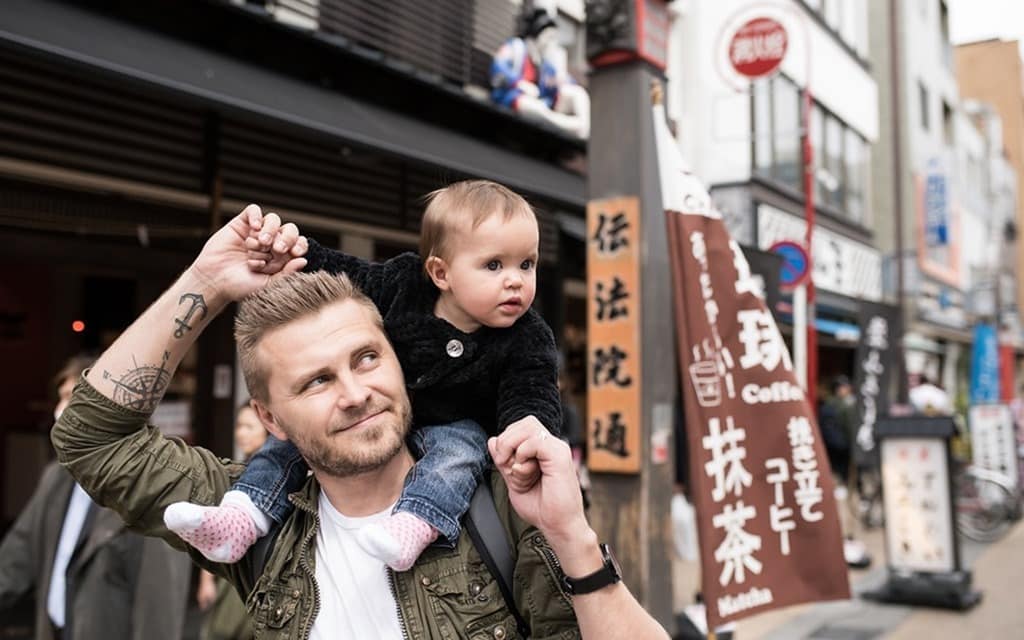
[[607, 575]]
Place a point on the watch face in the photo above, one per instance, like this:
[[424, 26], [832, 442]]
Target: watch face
[[612, 560]]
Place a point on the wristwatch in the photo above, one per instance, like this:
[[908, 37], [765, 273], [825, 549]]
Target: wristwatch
[[606, 575]]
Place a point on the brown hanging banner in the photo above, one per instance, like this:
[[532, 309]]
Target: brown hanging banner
[[760, 480]]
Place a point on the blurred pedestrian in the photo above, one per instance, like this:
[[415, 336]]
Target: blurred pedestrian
[[930, 399], [91, 578], [225, 617], [838, 421]]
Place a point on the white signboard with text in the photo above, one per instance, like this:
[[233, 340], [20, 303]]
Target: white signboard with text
[[918, 521], [993, 442], [841, 265]]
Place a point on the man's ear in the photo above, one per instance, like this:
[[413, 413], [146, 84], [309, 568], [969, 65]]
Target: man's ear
[[437, 269], [268, 420]]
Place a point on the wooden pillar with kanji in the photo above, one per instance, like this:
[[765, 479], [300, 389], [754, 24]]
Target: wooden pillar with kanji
[[630, 351]]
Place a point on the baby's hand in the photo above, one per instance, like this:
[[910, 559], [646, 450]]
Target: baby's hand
[[271, 245], [525, 472]]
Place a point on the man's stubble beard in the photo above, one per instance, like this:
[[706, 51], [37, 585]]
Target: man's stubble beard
[[366, 450]]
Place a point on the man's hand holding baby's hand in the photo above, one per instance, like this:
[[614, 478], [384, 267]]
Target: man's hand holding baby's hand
[[271, 244], [524, 472]]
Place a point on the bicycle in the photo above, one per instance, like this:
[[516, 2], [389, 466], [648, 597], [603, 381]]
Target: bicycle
[[985, 503]]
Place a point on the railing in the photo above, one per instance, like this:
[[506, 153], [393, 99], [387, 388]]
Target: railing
[[450, 39]]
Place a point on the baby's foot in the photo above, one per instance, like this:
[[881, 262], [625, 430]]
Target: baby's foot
[[398, 540], [222, 534]]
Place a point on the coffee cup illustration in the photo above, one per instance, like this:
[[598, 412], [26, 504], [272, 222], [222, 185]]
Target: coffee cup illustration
[[707, 383]]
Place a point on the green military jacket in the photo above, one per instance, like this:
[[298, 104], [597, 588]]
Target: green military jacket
[[128, 466]]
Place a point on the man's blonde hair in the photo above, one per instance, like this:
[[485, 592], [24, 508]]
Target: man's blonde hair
[[281, 302], [471, 201]]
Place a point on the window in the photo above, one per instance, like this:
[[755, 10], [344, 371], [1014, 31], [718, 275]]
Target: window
[[818, 143], [840, 166], [922, 93], [947, 47], [776, 121], [947, 124], [833, 183], [833, 14], [856, 176], [846, 19]]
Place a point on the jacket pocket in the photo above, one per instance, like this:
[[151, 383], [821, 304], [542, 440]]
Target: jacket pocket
[[467, 603], [276, 607]]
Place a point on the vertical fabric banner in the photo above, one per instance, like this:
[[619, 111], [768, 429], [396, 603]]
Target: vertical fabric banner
[[613, 336], [1007, 373], [984, 365], [766, 514], [876, 359]]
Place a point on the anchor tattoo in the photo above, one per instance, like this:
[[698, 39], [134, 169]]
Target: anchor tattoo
[[198, 304]]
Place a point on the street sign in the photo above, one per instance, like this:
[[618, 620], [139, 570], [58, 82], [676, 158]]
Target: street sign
[[758, 47], [796, 265]]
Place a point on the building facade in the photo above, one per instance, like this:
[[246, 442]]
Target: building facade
[[131, 131], [744, 139], [943, 183], [991, 74]]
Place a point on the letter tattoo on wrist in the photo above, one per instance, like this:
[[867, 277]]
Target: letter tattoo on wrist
[[198, 304]]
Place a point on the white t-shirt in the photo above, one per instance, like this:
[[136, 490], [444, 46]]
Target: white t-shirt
[[356, 600]]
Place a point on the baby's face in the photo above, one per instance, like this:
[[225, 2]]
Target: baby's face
[[493, 270]]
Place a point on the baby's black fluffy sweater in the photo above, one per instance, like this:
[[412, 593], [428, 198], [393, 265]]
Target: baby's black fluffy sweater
[[500, 376]]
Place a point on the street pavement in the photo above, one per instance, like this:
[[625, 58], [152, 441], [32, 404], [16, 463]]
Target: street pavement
[[997, 570]]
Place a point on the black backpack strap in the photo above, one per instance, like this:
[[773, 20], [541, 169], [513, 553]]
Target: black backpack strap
[[261, 551], [492, 543]]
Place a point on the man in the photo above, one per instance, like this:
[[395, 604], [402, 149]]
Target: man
[[838, 418], [323, 375], [929, 398], [90, 577]]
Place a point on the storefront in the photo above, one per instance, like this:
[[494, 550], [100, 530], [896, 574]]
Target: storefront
[[122, 147]]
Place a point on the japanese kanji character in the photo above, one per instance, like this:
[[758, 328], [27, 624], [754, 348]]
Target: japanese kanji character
[[606, 367], [737, 549], [762, 341], [610, 236], [607, 306], [726, 464], [611, 436]]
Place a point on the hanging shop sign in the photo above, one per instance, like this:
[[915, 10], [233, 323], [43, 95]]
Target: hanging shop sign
[[613, 335], [758, 47], [876, 356], [840, 264]]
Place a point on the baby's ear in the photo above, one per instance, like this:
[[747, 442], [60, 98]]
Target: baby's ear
[[437, 269]]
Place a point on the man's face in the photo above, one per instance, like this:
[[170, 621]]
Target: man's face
[[335, 390]]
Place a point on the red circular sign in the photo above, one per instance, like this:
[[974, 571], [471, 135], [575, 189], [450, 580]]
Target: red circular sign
[[758, 48]]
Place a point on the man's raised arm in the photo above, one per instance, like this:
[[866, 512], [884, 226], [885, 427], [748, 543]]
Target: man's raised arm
[[135, 371], [102, 436]]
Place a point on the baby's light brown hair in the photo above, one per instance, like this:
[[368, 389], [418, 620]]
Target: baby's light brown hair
[[464, 206]]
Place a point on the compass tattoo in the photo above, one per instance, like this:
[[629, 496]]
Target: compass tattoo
[[142, 387]]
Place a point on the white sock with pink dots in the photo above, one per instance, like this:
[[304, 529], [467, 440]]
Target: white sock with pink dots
[[222, 533], [398, 540]]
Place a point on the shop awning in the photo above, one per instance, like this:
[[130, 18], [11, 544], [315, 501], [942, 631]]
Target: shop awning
[[125, 52]]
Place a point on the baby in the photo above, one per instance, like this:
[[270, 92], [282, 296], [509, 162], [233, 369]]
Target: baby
[[476, 359]]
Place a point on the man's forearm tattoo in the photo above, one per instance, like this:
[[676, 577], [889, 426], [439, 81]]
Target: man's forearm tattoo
[[197, 304], [141, 388]]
